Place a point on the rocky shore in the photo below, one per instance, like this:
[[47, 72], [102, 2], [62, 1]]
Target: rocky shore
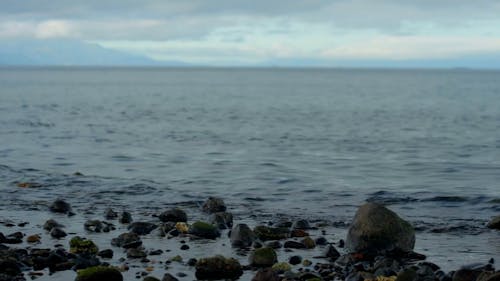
[[379, 245]]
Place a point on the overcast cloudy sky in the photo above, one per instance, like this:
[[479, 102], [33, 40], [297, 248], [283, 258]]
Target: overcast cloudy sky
[[248, 32]]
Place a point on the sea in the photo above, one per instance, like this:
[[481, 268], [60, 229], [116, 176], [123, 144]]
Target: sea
[[302, 143]]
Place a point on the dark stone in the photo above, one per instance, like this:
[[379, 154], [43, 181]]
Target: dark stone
[[341, 243], [301, 224], [266, 274], [408, 274], [466, 274], [184, 247], [222, 220], [489, 276], [85, 261], [125, 217], [58, 233], [169, 277], [218, 267], [110, 214], [376, 229], [48, 225], [191, 262], [93, 226], [213, 205], [494, 223], [294, 245], [332, 253], [265, 233], [127, 240], [425, 273], [294, 260], [321, 241], [135, 253], [274, 244], [60, 206], [204, 230], [242, 236], [106, 254], [141, 228], [9, 267], [155, 252], [283, 223], [173, 215]]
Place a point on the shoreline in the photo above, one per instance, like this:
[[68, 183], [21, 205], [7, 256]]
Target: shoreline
[[157, 263]]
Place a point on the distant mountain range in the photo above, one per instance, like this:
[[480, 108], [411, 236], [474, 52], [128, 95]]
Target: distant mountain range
[[487, 61], [57, 52], [66, 52]]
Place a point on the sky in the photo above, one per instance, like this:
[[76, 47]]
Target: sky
[[231, 32]]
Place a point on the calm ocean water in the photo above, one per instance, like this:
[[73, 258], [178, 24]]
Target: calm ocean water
[[313, 143]]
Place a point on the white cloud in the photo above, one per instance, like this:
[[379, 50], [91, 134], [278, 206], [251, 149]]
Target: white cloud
[[52, 29], [413, 47]]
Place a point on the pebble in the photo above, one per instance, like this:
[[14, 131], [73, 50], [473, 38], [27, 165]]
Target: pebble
[[294, 260]]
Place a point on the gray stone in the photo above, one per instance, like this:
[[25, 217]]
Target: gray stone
[[242, 236]]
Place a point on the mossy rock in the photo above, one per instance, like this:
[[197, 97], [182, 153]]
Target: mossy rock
[[282, 266], [204, 230], [263, 257], [266, 233], [99, 273], [308, 242], [377, 230], [218, 267], [78, 245]]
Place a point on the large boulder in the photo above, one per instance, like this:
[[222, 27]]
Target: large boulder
[[377, 230]]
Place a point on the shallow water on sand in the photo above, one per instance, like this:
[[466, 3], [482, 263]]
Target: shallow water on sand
[[305, 143]]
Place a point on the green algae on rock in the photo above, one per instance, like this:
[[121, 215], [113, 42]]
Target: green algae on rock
[[204, 230], [218, 267], [99, 273], [263, 257], [265, 233], [78, 245]]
